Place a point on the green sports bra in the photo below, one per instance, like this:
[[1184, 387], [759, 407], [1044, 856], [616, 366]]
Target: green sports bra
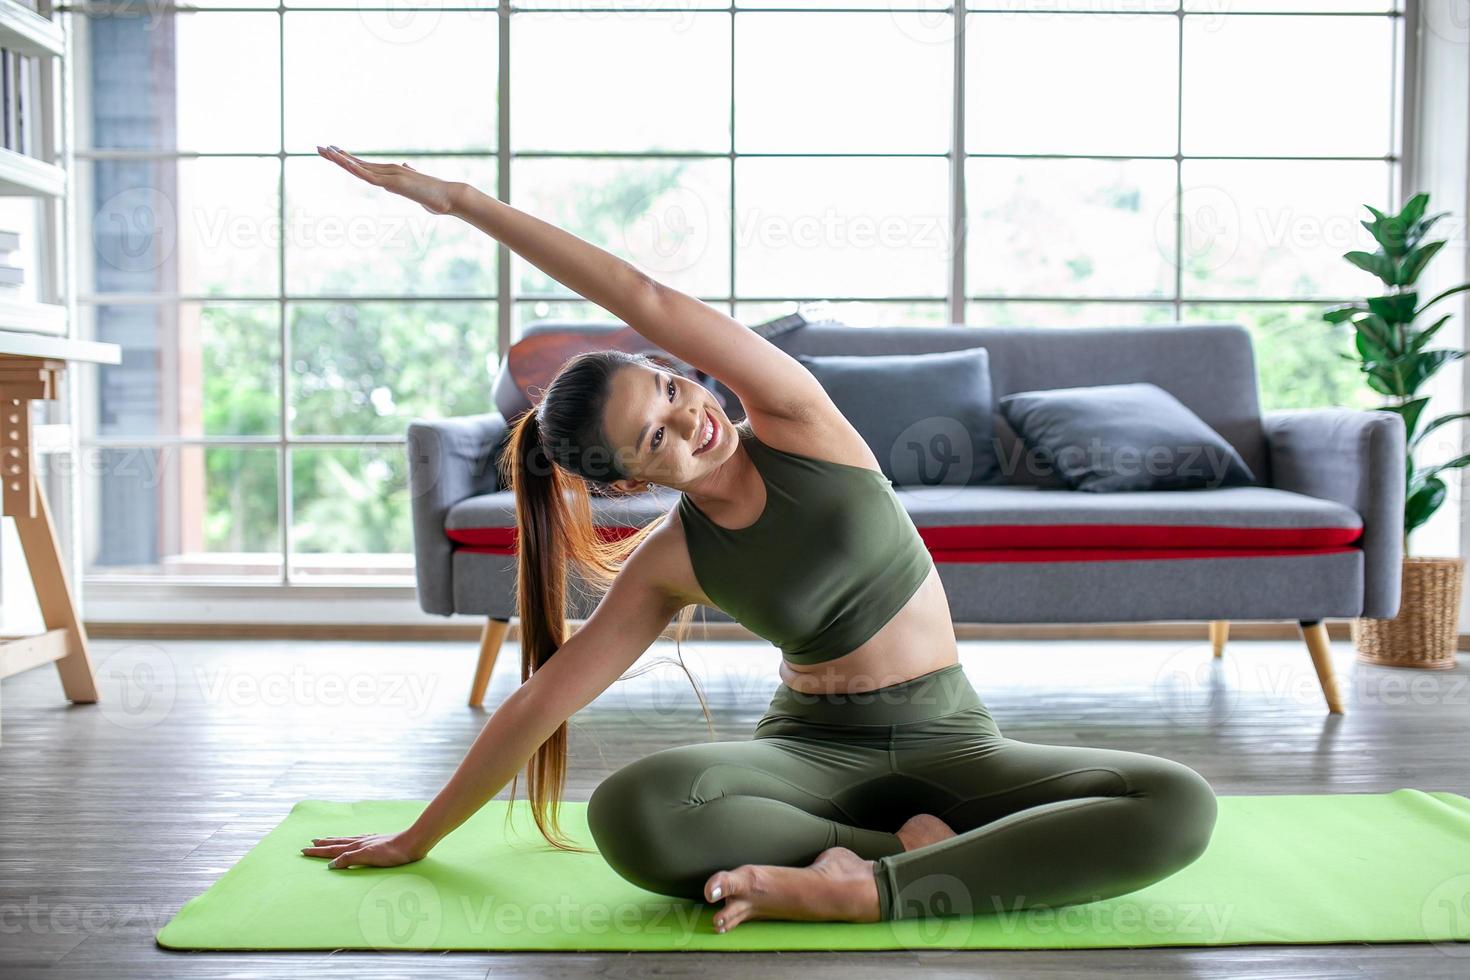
[[832, 558]]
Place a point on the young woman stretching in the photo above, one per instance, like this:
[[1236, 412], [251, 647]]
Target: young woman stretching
[[877, 785]]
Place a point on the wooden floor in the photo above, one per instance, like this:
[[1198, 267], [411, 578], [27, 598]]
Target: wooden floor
[[113, 815]]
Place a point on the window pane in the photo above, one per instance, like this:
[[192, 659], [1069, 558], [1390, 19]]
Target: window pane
[[346, 237], [207, 81], [880, 84], [1324, 6], [181, 511], [663, 81], [1065, 83], [350, 513], [633, 8], [366, 80], [1296, 107], [212, 4], [1296, 354], [667, 217], [187, 370], [1013, 313], [1085, 8], [1070, 227], [529, 312], [842, 227], [404, 14], [368, 368], [1277, 229], [820, 4], [867, 313], [203, 226]]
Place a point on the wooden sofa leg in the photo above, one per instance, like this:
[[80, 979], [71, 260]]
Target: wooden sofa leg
[[490, 640], [1219, 633], [1314, 631]]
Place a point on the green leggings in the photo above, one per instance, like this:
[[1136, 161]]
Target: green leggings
[[1036, 825]]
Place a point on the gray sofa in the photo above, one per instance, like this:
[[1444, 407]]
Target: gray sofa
[[1317, 536]]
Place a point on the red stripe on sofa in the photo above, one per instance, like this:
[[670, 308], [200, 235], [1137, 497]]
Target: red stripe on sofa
[[1132, 536], [982, 556], [501, 540], [1001, 555], [1012, 537]]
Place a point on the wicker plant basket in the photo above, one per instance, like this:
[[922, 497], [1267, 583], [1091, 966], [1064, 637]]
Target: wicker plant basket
[[1425, 631]]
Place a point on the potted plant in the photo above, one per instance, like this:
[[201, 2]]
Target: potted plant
[[1391, 337]]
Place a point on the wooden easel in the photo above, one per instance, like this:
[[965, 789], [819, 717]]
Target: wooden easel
[[23, 377]]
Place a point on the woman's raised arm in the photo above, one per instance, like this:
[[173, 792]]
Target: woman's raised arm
[[767, 379], [629, 618], [612, 283]]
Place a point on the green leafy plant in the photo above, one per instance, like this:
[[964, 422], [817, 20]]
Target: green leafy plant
[[1391, 342]]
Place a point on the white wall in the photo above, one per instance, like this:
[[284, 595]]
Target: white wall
[[1437, 160], [19, 613]]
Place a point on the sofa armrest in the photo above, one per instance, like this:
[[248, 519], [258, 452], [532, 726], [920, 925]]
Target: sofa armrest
[[449, 460], [1355, 458]]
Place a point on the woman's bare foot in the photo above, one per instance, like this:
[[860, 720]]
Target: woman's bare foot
[[837, 887], [923, 830]]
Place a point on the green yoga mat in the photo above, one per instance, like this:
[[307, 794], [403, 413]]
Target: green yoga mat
[[1389, 867]]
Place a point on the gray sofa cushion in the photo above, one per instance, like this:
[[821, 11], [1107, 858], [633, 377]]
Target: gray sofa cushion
[[1137, 436], [1009, 517], [927, 417], [997, 518], [1024, 554]]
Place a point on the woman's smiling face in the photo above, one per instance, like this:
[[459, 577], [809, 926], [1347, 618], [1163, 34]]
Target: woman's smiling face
[[665, 428]]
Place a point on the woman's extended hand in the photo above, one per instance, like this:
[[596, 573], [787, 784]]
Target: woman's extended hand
[[366, 850], [433, 194]]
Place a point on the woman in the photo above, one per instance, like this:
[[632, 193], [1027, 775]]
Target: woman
[[877, 785]]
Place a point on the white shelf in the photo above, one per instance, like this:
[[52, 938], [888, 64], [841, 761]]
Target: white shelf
[[51, 437], [65, 348], [35, 317], [23, 176], [26, 31]]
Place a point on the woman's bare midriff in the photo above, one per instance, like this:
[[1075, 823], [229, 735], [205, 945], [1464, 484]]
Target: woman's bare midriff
[[919, 639]]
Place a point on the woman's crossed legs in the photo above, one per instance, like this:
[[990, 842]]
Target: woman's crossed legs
[[803, 821]]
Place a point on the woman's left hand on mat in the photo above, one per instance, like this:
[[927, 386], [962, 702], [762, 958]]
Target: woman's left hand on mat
[[365, 850]]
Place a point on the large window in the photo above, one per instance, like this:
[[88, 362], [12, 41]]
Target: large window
[[1124, 162]]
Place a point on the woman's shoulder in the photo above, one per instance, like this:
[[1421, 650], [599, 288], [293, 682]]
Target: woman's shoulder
[[824, 439], [663, 559]]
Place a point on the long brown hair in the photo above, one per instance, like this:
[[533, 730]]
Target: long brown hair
[[556, 456]]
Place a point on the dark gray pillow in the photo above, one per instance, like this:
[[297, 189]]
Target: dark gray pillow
[[927, 417], [1123, 437]]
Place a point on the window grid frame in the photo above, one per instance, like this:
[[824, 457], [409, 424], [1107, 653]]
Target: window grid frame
[[1401, 108]]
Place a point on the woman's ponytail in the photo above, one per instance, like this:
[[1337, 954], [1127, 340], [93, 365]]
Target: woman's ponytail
[[542, 525], [556, 535]]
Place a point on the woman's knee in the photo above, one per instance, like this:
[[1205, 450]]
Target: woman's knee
[[626, 810], [1184, 808], [635, 816]]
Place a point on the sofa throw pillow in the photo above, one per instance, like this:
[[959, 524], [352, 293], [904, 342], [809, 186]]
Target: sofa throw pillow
[[927, 417], [1123, 437]]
